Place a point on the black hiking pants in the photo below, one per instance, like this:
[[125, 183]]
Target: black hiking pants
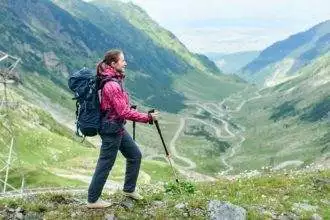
[[108, 153]]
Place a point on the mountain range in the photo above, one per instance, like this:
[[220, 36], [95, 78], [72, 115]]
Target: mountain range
[[56, 38], [233, 62], [283, 59]]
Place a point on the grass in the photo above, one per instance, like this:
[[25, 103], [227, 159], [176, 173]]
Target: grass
[[43, 85], [200, 151], [39, 144], [35, 177], [271, 194], [196, 86], [159, 171], [287, 123], [287, 139]]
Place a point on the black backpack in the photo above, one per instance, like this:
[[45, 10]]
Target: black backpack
[[85, 85]]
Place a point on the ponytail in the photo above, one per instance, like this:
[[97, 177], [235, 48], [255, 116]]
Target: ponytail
[[109, 57]]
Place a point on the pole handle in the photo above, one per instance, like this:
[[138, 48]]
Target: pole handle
[[160, 134], [134, 123]]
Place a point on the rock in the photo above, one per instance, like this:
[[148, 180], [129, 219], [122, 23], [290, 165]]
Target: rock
[[33, 216], [288, 216], [128, 204], [158, 204], [298, 207], [219, 210], [19, 216], [316, 217], [19, 209], [180, 206], [283, 217], [110, 217]]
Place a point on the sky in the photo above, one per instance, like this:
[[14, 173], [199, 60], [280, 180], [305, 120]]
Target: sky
[[238, 25]]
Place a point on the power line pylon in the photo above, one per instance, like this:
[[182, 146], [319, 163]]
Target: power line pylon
[[8, 155]]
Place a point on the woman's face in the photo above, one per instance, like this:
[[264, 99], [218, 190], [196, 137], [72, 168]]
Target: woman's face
[[120, 64]]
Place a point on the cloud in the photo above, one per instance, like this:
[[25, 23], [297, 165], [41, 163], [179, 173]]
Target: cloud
[[183, 10], [224, 26], [229, 39]]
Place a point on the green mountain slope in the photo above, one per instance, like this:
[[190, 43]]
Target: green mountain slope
[[70, 34], [48, 154], [288, 122], [201, 68], [281, 60], [162, 37]]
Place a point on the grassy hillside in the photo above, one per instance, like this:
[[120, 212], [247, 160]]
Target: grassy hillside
[[208, 87], [289, 122], [47, 153]]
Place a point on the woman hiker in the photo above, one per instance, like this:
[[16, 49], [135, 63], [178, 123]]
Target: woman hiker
[[116, 110]]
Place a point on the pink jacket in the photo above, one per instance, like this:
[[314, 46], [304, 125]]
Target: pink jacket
[[115, 100]]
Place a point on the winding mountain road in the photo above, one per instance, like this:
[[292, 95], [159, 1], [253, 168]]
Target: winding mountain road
[[219, 114], [191, 164]]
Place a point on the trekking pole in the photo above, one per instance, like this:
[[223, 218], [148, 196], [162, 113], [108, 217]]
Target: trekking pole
[[168, 157], [134, 123], [166, 150]]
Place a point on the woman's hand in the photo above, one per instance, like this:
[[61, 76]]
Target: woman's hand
[[155, 115]]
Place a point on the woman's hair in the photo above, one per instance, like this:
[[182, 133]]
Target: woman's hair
[[109, 57]]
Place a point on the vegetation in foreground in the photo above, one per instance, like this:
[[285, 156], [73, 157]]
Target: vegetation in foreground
[[293, 194]]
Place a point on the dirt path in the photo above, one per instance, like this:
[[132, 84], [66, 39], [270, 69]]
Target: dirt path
[[219, 114], [234, 149], [191, 164], [231, 154]]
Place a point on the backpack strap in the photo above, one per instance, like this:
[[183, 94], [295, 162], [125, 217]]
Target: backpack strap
[[101, 84], [104, 80], [77, 116]]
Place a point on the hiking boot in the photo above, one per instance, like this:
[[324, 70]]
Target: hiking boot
[[133, 195], [99, 204]]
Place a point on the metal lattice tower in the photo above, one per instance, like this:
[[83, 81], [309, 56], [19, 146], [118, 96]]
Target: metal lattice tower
[[8, 156]]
